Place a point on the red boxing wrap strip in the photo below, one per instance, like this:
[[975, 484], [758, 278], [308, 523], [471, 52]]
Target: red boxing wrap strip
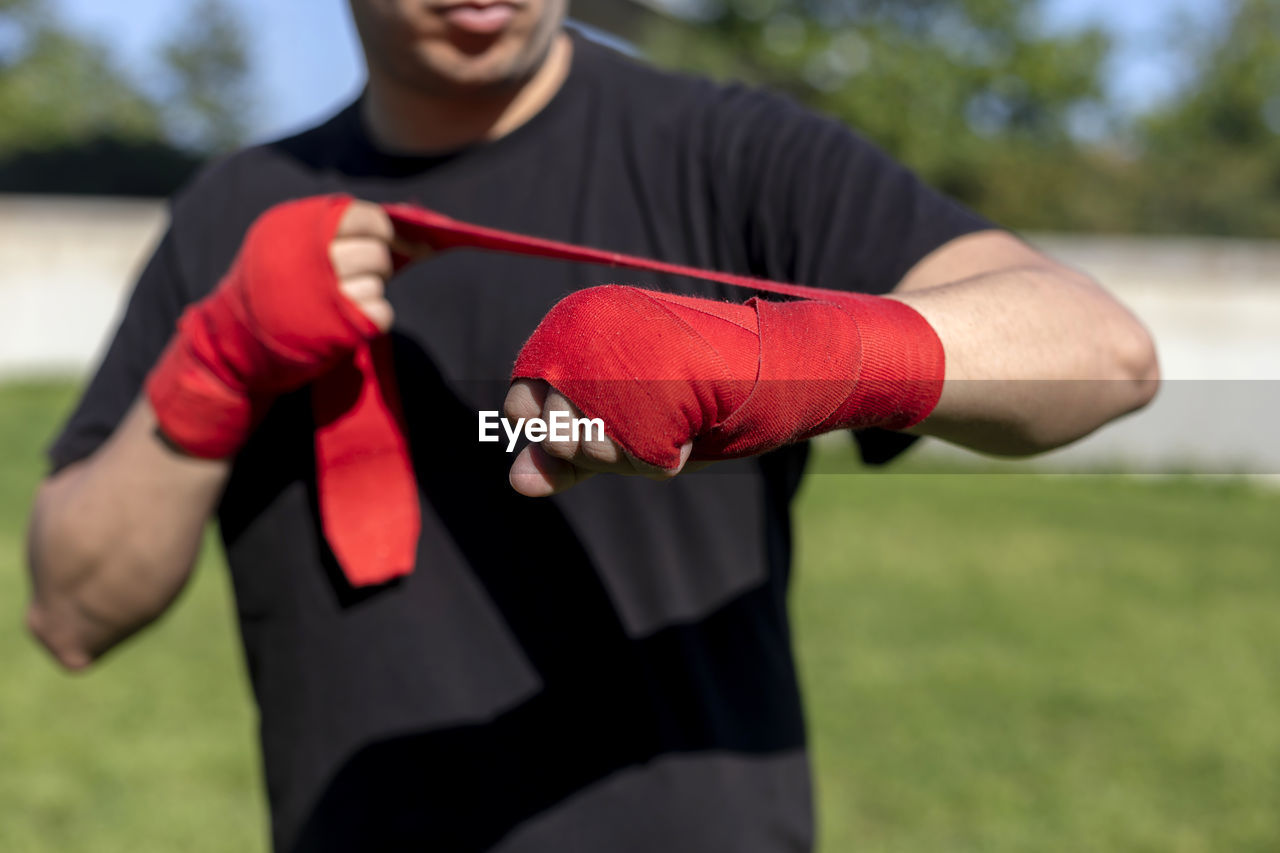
[[275, 322], [737, 380]]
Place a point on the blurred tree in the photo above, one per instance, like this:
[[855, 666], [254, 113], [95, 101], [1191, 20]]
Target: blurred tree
[[209, 65], [987, 104], [962, 90], [74, 122], [1212, 155], [56, 87]]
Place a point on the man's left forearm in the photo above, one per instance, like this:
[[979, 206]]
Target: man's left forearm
[[1038, 355]]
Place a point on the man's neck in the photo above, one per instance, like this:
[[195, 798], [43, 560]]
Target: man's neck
[[405, 119]]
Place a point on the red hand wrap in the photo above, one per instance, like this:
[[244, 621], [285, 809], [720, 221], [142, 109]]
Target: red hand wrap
[[661, 370], [276, 322]]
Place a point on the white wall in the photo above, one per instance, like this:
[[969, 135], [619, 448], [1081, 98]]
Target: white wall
[[1213, 305], [66, 264]]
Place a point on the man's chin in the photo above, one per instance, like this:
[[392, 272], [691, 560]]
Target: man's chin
[[490, 70]]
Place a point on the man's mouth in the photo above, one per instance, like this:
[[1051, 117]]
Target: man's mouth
[[478, 18]]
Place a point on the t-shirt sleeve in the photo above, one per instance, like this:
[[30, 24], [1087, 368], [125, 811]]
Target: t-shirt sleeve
[[818, 204], [146, 326]]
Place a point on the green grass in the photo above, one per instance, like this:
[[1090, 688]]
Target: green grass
[[992, 663], [151, 751], [1001, 663]]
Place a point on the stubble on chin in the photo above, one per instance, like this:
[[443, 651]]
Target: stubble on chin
[[444, 69]]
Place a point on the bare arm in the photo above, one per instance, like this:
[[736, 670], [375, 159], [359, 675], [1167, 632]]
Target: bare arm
[[1038, 355], [113, 539]]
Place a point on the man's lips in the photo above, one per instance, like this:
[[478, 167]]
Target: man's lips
[[479, 18]]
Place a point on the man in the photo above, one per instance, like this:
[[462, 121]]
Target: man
[[608, 669]]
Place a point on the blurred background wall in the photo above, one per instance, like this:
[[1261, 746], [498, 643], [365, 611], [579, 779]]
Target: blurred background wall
[[1140, 142]]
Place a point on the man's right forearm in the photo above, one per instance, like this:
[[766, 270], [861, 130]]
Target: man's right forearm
[[113, 538]]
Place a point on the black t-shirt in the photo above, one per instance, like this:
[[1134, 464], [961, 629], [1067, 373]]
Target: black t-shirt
[[609, 669]]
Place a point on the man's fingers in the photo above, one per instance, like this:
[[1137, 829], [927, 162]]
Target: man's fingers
[[362, 288], [366, 292], [365, 219], [361, 259], [598, 451], [591, 448], [524, 399], [534, 474], [565, 448], [533, 398], [551, 466], [352, 256]]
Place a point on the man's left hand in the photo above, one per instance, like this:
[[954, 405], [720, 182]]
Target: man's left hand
[[549, 467]]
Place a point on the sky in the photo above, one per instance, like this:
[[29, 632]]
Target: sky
[[306, 60]]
